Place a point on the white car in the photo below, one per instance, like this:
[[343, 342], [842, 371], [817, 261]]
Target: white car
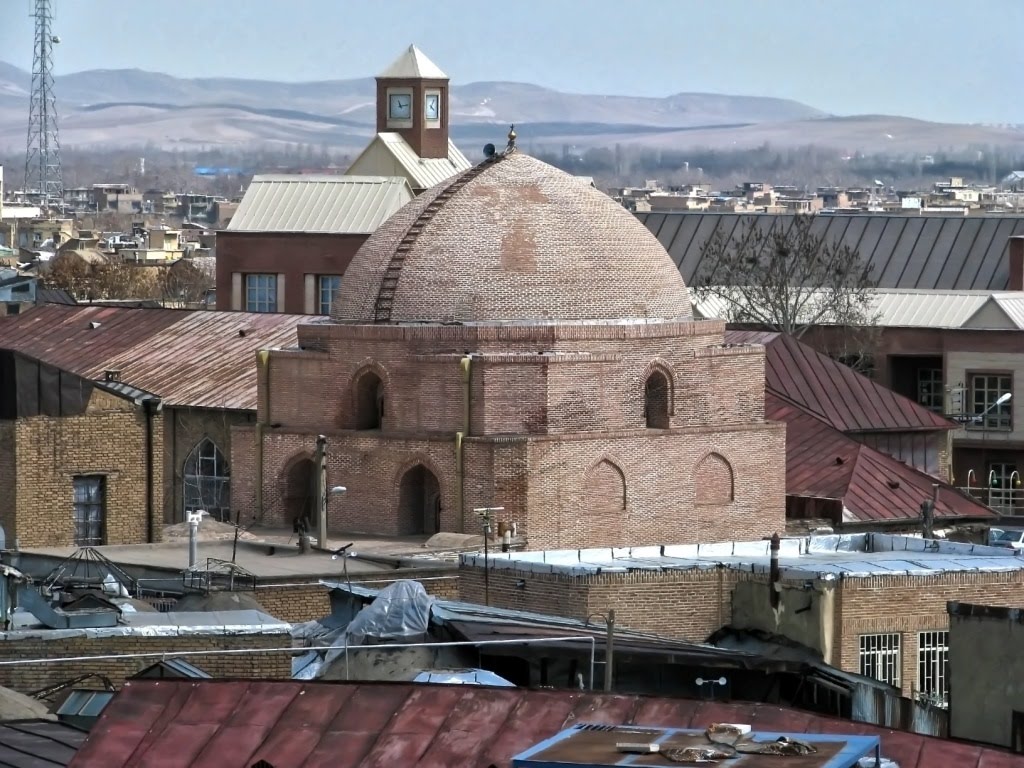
[[1008, 537]]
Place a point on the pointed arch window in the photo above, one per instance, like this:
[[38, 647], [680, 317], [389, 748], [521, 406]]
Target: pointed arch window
[[207, 481]]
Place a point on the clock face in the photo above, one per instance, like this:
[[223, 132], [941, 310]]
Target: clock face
[[432, 106], [400, 106]]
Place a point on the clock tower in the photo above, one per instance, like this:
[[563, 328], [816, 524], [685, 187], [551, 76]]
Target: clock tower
[[412, 101]]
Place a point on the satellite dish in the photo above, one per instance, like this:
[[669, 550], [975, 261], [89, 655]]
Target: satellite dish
[[489, 150], [55, 39]]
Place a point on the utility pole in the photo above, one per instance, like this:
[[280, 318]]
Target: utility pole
[[42, 152]]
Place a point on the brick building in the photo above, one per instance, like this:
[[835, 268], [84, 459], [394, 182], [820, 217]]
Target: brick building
[[293, 236], [114, 421], [873, 604], [514, 338]]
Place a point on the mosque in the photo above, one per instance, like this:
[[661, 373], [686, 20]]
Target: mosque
[[512, 338]]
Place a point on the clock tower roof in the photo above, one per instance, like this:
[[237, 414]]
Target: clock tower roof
[[412, 64]]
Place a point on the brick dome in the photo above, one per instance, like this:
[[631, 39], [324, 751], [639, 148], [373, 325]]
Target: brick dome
[[512, 240]]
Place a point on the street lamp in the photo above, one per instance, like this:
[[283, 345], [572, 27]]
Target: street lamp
[[609, 651], [484, 513]]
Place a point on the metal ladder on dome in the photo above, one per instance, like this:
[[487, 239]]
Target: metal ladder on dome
[[389, 283]]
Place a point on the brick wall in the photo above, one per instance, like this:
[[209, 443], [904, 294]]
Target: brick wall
[[908, 605], [547, 405], [109, 439], [27, 678], [298, 603], [688, 605]]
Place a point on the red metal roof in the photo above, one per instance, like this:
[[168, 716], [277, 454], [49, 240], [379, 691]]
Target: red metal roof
[[832, 391], [197, 358], [229, 723], [822, 462]]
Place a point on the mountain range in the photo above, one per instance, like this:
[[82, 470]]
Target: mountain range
[[129, 107]]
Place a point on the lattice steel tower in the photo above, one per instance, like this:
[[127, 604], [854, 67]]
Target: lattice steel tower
[[42, 155]]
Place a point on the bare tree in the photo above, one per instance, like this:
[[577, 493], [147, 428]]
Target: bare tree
[[785, 277], [187, 282]]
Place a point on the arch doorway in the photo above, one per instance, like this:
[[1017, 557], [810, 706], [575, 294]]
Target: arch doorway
[[300, 491], [369, 401], [206, 481], [657, 401], [419, 502]]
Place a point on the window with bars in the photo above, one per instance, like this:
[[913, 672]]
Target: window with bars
[[207, 481], [89, 502], [880, 657], [261, 293], [327, 285], [933, 664], [986, 389], [929, 389]]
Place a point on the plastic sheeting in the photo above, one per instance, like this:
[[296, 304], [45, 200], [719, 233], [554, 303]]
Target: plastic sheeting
[[462, 677], [400, 610]]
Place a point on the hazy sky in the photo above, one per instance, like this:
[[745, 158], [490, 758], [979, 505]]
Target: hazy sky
[[950, 60]]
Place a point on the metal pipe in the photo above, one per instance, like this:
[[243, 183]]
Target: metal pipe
[[263, 372], [465, 369], [610, 651]]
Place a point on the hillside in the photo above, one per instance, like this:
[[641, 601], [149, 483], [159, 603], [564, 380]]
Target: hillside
[[123, 108]]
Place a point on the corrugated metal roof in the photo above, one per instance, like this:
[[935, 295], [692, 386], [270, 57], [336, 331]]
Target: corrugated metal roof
[[424, 172], [832, 391], [822, 462], [196, 358], [326, 204], [901, 308], [235, 724], [38, 743], [935, 252]]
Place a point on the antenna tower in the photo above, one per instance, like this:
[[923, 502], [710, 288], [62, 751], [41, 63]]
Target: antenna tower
[[42, 154]]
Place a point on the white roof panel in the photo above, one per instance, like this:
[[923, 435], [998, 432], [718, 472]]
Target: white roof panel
[[319, 203], [413, 63]]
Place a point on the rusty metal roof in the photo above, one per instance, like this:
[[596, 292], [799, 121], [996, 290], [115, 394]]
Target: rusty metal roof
[[235, 723], [822, 462], [832, 391], [192, 358]]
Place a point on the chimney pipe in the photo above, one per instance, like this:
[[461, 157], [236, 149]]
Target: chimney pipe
[[773, 594], [1016, 256]]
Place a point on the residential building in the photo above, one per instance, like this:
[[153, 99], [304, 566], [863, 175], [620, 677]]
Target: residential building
[[117, 420], [986, 702], [292, 238], [529, 364], [116, 198], [874, 604]]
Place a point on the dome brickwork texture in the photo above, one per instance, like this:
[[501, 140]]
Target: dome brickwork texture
[[513, 338], [518, 241]]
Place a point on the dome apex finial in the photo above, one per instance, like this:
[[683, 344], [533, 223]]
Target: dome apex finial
[[511, 138]]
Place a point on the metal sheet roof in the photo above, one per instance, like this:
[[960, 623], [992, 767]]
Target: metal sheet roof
[[832, 391], [38, 743], [423, 172], [229, 724], [200, 358], [910, 308], [413, 63], [937, 252], [823, 557], [822, 462], [323, 204]]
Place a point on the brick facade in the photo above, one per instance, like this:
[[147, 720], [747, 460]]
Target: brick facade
[[48, 452], [27, 678], [825, 615], [576, 391]]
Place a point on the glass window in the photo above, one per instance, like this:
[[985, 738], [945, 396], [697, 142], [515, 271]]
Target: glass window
[[89, 497], [328, 285], [986, 389], [933, 665], [929, 389], [261, 293], [1002, 481], [208, 481], [880, 657]]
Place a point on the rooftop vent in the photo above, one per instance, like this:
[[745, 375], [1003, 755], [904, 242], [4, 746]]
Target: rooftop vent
[[94, 325], [112, 374]]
